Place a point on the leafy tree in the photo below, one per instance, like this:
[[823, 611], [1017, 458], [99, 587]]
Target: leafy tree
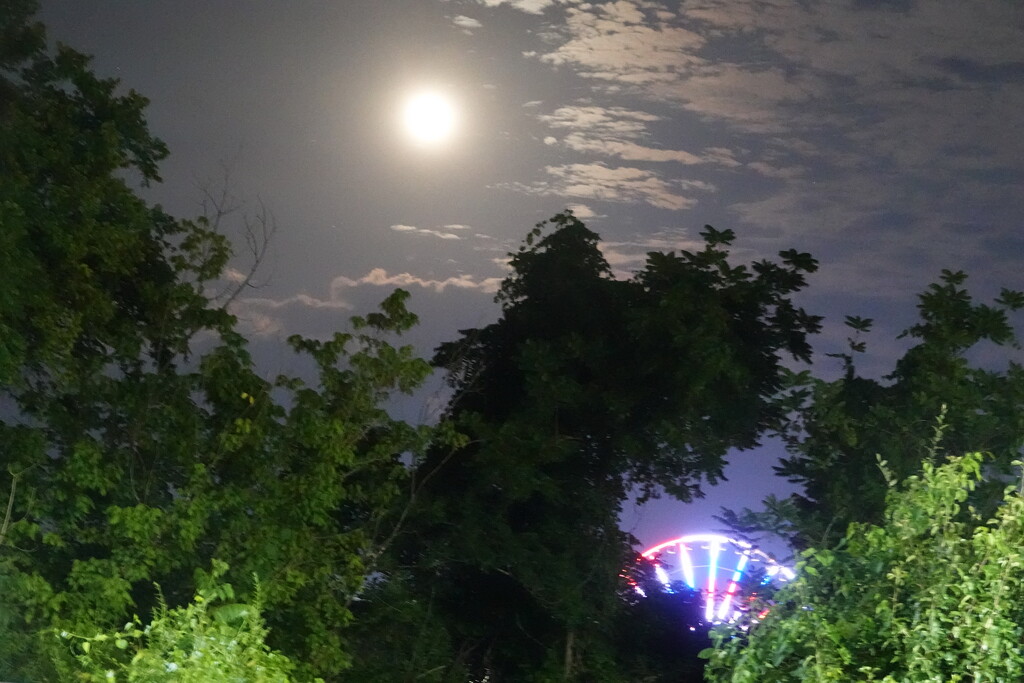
[[836, 429], [586, 387], [935, 592], [138, 441], [210, 639]]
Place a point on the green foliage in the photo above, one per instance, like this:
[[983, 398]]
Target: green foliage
[[138, 440], [210, 639], [835, 430], [397, 636], [586, 387], [934, 593]]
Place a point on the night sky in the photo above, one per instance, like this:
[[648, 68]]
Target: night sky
[[883, 136]]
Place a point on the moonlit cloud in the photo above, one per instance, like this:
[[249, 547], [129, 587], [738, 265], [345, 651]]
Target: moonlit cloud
[[413, 230], [265, 316], [630, 151], [528, 6], [613, 184], [465, 22], [233, 275], [378, 277], [618, 121], [613, 42], [833, 113], [582, 211], [771, 171]]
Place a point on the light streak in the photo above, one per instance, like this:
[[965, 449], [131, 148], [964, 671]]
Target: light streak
[[687, 562], [662, 576], [734, 584], [709, 602]]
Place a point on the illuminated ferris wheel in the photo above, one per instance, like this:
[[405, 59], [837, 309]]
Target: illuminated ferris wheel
[[714, 565]]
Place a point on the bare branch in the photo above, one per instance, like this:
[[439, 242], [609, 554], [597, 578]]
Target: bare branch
[[257, 231], [10, 509]]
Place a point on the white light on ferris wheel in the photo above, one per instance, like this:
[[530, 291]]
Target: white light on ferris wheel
[[713, 564]]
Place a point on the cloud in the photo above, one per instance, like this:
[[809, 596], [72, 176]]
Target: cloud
[[755, 99], [618, 121], [818, 90], [379, 277], [267, 316], [298, 300], [817, 119], [413, 230], [528, 6], [617, 132], [465, 22], [629, 151], [611, 41], [264, 316], [770, 171], [721, 156], [601, 182], [582, 211], [674, 239], [233, 275]]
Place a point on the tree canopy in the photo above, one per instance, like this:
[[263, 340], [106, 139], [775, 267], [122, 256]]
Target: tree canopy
[[139, 443], [586, 387], [934, 592], [938, 395]]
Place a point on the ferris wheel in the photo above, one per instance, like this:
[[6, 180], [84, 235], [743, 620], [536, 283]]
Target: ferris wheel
[[714, 565]]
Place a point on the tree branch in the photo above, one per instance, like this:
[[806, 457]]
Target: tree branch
[[10, 509]]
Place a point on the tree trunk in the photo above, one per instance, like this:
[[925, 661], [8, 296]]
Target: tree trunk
[[570, 639]]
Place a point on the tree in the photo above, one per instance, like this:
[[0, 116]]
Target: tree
[[933, 593], [586, 387], [210, 639], [138, 440], [836, 429]]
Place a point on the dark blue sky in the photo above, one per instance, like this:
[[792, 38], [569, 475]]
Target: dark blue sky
[[882, 136]]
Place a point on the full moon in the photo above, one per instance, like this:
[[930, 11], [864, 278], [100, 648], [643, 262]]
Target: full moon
[[429, 118]]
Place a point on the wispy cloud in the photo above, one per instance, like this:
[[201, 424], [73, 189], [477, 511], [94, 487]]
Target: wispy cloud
[[265, 316], [770, 171], [466, 23], [615, 132], [528, 6], [915, 92], [618, 121], [582, 211], [818, 121], [629, 151], [413, 230], [613, 184], [379, 277], [613, 41]]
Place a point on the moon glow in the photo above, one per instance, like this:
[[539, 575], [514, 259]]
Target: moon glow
[[429, 118]]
